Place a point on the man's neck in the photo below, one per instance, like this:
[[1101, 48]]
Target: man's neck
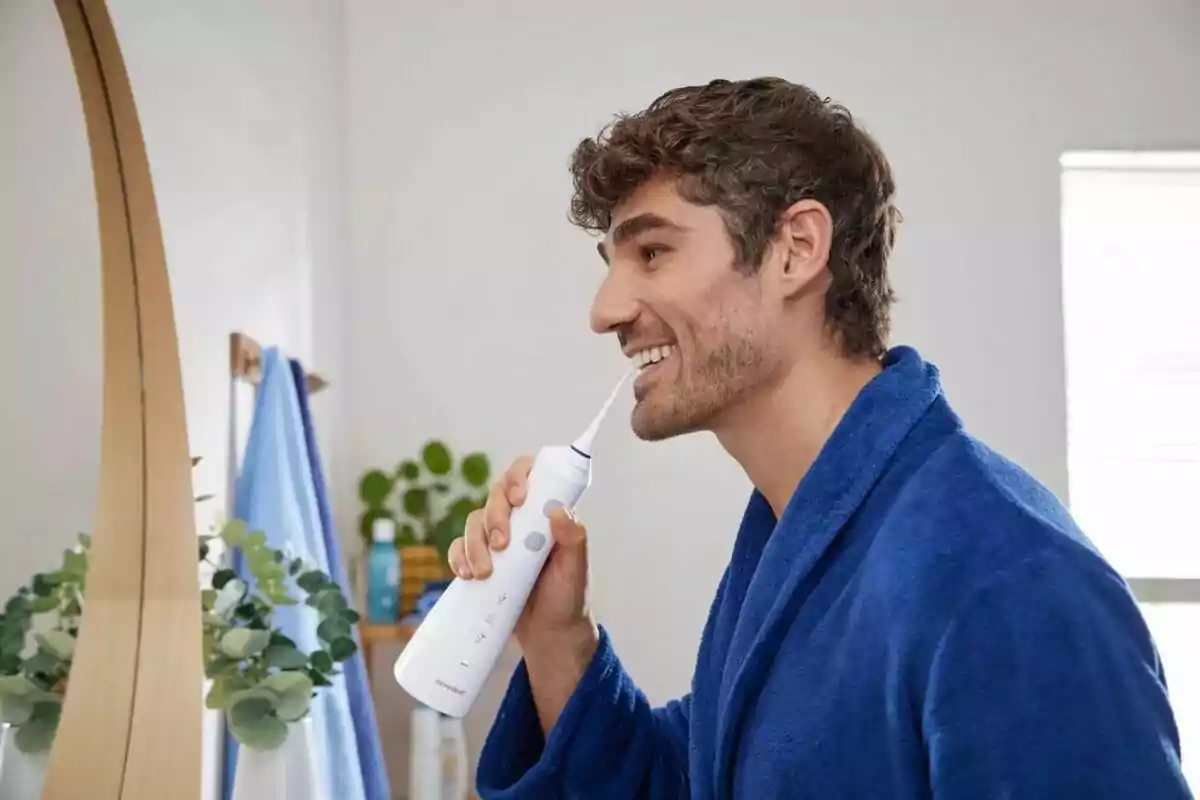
[[778, 434]]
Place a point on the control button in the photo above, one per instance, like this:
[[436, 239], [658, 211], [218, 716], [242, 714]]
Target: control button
[[463, 663], [489, 619], [535, 541], [500, 600], [550, 506], [479, 637]]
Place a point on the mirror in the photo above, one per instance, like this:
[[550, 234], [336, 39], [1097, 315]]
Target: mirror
[[100, 636], [52, 359]]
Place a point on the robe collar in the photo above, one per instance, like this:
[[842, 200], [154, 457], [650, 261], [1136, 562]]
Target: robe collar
[[783, 553]]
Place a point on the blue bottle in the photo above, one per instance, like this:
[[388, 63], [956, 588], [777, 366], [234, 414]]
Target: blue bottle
[[383, 574]]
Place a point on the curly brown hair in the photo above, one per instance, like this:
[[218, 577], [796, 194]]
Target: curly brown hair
[[753, 148]]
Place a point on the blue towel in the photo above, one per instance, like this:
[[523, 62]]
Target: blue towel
[[275, 494], [923, 621], [362, 708]]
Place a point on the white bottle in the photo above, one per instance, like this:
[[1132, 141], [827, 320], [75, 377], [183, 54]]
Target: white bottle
[[425, 754], [455, 785], [450, 656]]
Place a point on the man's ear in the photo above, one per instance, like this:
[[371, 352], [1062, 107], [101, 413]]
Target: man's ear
[[804, 238]]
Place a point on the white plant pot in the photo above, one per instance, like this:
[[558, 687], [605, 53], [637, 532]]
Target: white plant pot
[[285, 773], [21, 774]]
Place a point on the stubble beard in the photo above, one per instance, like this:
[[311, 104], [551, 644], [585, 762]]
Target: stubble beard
[[699, 396]]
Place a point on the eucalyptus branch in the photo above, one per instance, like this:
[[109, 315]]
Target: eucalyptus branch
[[34, 666], [260, 677]]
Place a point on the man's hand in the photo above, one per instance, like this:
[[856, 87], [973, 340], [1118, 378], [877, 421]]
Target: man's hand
[[556, 632]]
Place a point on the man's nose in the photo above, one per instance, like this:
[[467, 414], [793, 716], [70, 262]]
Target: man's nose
[[614, 306]]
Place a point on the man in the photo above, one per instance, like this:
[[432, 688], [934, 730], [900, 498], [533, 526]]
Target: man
[[906, 614]]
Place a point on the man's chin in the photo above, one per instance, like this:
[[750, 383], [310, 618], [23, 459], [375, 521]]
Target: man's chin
[[655, 424]]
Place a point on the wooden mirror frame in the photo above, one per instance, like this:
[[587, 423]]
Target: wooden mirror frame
[[131, 723]]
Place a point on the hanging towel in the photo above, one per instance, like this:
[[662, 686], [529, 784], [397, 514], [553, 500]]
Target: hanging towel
[[276, 495], [362, 708]]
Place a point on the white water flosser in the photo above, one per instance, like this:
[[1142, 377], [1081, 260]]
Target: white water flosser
[[457, 645]]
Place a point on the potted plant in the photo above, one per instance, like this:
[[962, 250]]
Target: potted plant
[[261, 681], [260, 678], [429, 498], [38, 629], [37, 642]]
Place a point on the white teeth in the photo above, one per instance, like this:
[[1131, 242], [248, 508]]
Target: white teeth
[[651, 355]]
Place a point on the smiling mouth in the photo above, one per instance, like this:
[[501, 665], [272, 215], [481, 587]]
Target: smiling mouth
[[651, 356]]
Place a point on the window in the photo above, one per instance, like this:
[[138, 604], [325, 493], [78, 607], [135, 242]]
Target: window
[[1131, 303]]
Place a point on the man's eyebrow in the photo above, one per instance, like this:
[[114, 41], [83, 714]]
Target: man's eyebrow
[[635, 225]]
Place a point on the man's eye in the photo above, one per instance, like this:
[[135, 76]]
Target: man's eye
[[651, 252]]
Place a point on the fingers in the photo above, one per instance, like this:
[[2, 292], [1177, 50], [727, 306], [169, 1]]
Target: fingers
[[566, 529], [458, 558], [506, 494], [469, 556], [486, 529]]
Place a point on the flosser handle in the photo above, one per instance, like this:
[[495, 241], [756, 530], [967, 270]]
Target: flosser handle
[[516, 568], [457, 645]]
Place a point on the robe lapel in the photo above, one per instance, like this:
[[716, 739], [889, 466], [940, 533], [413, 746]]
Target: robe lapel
[[757, 522], [849, 466]]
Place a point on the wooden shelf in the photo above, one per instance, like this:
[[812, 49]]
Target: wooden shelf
[[374, 634]]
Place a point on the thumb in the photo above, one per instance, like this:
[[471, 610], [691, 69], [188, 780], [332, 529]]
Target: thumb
[[568, 532], [569, 558]]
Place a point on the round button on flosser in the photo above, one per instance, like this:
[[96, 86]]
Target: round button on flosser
[[550, 506], [535, 541]]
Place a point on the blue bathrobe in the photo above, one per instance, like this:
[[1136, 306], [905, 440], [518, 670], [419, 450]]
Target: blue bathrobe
[[923, 621]]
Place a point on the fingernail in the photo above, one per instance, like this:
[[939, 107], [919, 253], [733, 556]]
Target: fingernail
[[494, 537]]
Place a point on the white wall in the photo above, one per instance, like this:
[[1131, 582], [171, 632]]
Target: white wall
[[467, 291], [50, 335], [239, 106]]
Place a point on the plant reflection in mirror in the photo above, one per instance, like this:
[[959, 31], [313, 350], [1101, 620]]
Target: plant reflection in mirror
[[261, 680]]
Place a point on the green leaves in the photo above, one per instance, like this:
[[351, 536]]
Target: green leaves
[[426, 496], [342, 648], [253, 720], [74, 564], [406, 536], [313, 581], [294, 692], [258, 715], [230, 595], [40, 605], [242, 643], [234, 533], [222, 577], [59, 644], [374, 488], [437, 458], [285, 657], [225, 686], [32, 709], [416, 502], [333, 629], [476, 469], [260, 678], [17, 696], [36, 735], [321, 661]]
